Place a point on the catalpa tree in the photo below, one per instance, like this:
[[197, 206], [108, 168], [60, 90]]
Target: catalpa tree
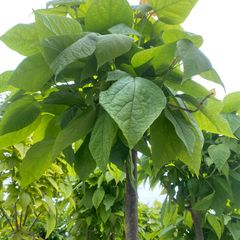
[[103, 80]]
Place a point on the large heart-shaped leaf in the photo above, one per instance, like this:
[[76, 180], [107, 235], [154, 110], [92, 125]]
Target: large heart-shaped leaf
[[172, 11], [22, 38], [133, 103], [82, 48], [111, 46], [103, 14], [31, 74], [232, 102]]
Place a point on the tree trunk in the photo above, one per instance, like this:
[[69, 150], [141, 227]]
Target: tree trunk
[[196, 216], [131, 201]]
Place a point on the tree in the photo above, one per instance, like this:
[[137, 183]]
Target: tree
[[102, 81]]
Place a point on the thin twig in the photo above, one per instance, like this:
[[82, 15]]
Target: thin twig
[[34, 221], [6, 217], [192, 110]]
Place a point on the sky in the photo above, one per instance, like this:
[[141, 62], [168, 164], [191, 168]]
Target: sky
[[216, 20]]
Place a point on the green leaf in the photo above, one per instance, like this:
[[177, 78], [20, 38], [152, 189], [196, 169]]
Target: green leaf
[[172, 11], [77, 129], [4, 78], [110, 46], [19, 135], [25, 200], [69, 3], [53, 25], [103, 14], [51, 224], [151, 57], [64, 98], [174, 35], [98, 197], [51, 47], [102, 137], [215, 224], [22, 38], [108, 201], [183, 129], [219, 154], [133, 103], [31, 74], [234, 229], [116, 75], [123, 29], [231, 102], [19, 114], [204, 204], [84, 164], [82, 48], [165, 143], [210, 119], [195, 62], [37, 160]]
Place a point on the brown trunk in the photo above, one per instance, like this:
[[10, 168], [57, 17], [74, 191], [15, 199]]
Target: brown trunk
[[196, 216], [131, 201]]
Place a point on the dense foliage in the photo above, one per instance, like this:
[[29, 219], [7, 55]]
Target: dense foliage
[[101, 81]]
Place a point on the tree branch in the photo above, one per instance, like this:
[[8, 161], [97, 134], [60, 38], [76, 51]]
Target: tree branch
[[6, 217], [192, 110]]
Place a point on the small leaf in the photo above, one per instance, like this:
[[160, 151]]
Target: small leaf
[[215, 224], [103, 134], [219, 154], [53, 25], [82, 48], [22, 38], [108, 201], [37, 160], [98, 197], [51, 224], [31, 74], [110, 46], [133, 103], [172, 11], [103, 14], [76, 129]]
